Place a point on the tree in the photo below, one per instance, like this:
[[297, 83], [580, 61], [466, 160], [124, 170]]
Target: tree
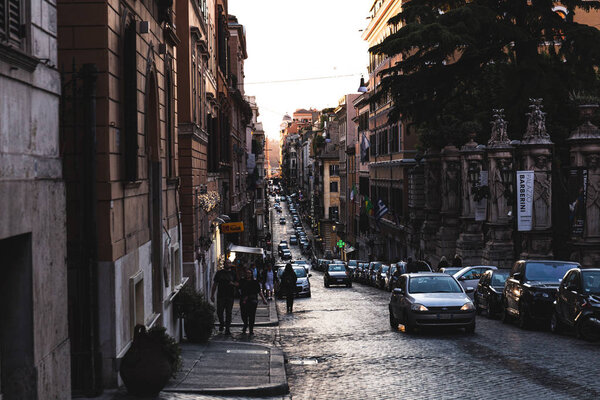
[[460, 59]]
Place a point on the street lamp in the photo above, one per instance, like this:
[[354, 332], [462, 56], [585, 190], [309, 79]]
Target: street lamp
[[362, 88], [474, 176]]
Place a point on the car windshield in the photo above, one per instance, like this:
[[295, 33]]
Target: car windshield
[[352, 263], [336, 267], [591, 282], [300, 272], [375, 265], [546, 272], [433, 284], [499, 278]]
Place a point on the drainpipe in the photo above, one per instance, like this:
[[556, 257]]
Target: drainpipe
[[89, 75]]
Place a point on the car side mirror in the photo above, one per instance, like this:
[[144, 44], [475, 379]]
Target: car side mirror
[[309, 275], [469, 289]]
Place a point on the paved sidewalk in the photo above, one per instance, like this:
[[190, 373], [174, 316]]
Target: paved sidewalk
[[224, 367]]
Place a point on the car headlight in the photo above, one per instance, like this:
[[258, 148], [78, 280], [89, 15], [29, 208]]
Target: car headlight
[[418, 307], [467, 307]]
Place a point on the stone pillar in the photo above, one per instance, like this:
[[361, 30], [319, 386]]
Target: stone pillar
[[470, 241], [499, 247], [450, 208], [536, 155], [585, 154], [432, 205]]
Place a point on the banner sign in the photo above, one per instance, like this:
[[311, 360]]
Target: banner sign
[[232, 227], [481, 205], [525, 200], [577, 193]]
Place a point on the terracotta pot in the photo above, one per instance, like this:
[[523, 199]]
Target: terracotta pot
[[145, 368]]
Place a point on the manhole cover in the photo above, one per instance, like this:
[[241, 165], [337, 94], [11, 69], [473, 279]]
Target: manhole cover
[[247, 352], [303, 361]]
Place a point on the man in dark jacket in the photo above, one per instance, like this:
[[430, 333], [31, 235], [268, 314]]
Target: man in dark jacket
[[225, 281]]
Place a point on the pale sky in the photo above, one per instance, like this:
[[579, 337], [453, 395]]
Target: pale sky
[[293, 40]]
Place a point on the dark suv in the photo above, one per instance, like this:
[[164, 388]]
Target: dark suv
[[530, 290]]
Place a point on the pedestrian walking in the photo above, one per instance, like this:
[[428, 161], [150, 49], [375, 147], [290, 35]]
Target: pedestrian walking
[[288, 285], [249, 292], [443, 263], [457, 261], [225, 284], [269, 282]]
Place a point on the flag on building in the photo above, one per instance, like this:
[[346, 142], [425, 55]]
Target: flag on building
[[353, 193], [381, 210], [364, 148], [368, 205]]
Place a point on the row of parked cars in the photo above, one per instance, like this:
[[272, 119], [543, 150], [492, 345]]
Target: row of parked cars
[[534, 293]]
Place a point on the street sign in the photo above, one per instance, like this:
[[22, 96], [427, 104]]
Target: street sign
[[232, 227], [340, 243]]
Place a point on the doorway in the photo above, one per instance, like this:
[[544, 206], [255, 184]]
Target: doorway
[[18, 375]]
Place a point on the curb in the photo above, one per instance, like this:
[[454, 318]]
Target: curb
[[276, 374]]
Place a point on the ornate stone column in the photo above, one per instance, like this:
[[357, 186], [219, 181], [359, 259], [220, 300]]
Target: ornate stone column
[[470, 241], [432, 205], [499, 247], [450, 209], [536, 154], [585, 155]]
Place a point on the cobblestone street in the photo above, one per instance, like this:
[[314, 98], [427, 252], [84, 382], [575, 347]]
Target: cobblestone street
[[338, 345]]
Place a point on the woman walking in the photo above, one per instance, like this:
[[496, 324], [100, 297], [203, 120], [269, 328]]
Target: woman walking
[[268, 282], [249, 292], [288, 285]]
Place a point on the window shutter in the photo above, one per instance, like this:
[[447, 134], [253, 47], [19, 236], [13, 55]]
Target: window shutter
[[13, 31]]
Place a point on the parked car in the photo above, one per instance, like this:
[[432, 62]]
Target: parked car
[[302, 283], [286, 254], [293, 240], [336, 274], [488, 294], [282, 246], [391, 280], [352, 265], [578, 304], [302, 263], [282, 221], [381, 276], [469, 276], [322, 264], [531, 289], [430, 299]]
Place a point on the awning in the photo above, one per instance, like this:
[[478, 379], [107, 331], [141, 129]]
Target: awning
[[349, 249], [247, 250]]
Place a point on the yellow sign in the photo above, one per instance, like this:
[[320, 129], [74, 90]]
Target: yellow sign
[[232, 227]]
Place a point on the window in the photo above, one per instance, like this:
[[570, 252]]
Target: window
[[333, 186], [334, 170], [395, 138], [334, 213], [373, 144], [130, 109], [396, 201], [11, 22]]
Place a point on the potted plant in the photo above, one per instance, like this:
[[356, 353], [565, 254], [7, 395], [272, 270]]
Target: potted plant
[[198, 315], [152, 359]]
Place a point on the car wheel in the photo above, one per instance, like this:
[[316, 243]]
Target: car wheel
[[309, 294], [408, 327], [587, 330], [556, 326], [393, 321], [478, 309], [524, 320], [471, 328], [326, 284]]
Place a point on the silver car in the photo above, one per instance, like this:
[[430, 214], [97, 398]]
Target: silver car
[[468, 277], [430, 299]]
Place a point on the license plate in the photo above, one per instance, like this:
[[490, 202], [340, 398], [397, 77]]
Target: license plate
[[444, 316], [340, 280]]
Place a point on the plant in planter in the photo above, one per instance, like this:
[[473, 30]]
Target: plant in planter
[[150, 361], [198, 315]]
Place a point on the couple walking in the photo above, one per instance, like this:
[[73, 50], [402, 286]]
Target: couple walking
[[225, 284]]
